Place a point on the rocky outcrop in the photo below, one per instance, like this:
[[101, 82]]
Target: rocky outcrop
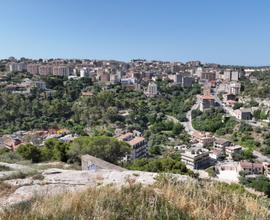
[[54, 181]]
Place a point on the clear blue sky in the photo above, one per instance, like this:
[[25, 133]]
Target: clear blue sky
[[220, 31]]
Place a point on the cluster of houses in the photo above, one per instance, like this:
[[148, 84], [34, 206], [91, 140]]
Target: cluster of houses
[[226, 87], [207, 150], [138, 75], [37, 137], [25, 87], [142, 75]]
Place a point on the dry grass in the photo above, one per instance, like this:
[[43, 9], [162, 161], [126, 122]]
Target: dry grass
[[165, 200], [6, 189], [213, 200]]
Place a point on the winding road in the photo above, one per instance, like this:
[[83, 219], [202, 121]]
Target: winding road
[[189, 129]]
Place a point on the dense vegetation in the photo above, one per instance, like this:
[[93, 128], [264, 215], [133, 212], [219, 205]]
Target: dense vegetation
[[101, 111], [243, 136], [169, 164], [260, 184], [37, 110], [212, 121], [106, 148], [259, 89]]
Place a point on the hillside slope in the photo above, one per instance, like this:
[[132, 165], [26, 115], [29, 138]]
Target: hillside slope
[[164, 199]]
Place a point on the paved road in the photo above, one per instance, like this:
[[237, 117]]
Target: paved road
[[260, 157], [187, 125], [231, 112]]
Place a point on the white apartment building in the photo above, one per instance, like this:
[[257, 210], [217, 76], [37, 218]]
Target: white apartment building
[[233, 88], [33, 68], [151, 89], [17, 67], [61, 70], [45, 70]]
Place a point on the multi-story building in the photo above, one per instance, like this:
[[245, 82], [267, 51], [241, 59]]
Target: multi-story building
[[61, 70], [235, 75], [243, 114], [208, 76], [40, 84], [230, 150], [233, 88], [207, 102], [33, 69], [45, 70], [231, 75], [105, 77], [251, 168], [138, 145], [222, 143], [17, 67], [176, 78], [196, 158], [203, 138], [187, 81], [151, 90]]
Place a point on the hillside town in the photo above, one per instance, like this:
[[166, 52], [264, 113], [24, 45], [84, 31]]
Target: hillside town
[[221, 89]]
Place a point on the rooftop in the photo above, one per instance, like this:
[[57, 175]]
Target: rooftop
[[124, 136], [135, 141]]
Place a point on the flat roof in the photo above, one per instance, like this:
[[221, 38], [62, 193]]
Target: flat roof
[[124, 136], [135, 140]]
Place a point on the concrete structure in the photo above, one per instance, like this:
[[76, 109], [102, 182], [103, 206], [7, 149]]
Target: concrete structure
[[204, 138], [105, 77], [235, 75], [196, 158], [232, 150], [94, 164], [13, 67], [187, 81], [151, 90], [137, 143], [61, 70], [222, 143], [243, 114], [231, 75], [208, 76], [33, 69], [207, 102], [139, 148], [45, 70], [251, 168], [233, 88], [176, 78], [40, 84], [216, 154]]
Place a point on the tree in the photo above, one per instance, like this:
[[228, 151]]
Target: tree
[[177, 128], [169, 164], [55, 150], [155, 150], [30, 152], [103, 147]]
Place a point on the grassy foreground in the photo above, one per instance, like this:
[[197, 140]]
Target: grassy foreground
[[165, 200]]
